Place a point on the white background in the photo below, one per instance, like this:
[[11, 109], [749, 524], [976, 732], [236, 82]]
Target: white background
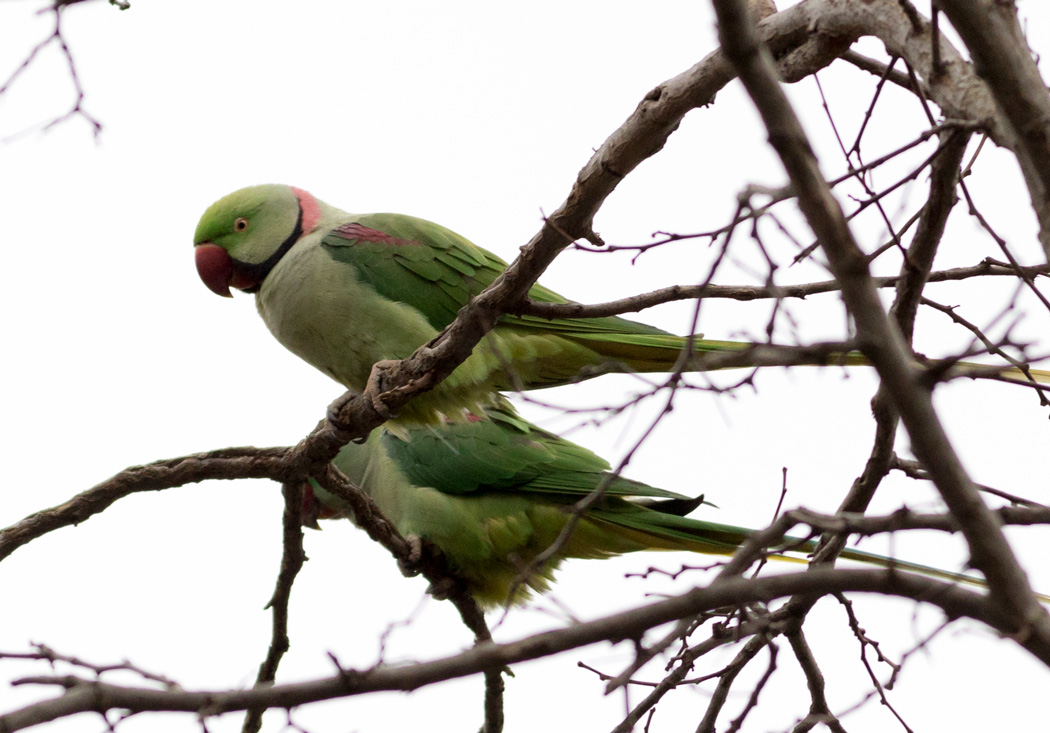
[[478, 116]]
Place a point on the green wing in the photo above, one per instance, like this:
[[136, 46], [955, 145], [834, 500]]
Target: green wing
[[502, 453], [494, 493], [437, 271], [414, 261]]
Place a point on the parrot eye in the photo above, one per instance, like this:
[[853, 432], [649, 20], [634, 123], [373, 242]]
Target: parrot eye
[[240, 224]]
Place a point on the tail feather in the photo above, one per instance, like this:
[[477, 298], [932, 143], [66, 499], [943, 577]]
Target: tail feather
[[656, 530], [1013, 375], [660, 352]]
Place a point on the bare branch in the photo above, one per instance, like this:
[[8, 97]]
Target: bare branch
[[58, 39], [1002, 58], [819, 711], [865, 643], [84, 695], [635, 303], [291, 563], [880, 339], [879, 69], [228, 463]]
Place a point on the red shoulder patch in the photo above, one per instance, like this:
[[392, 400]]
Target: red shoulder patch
[[353, 230]]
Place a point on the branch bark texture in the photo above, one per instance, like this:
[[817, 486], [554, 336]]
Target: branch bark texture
[[879, 337]]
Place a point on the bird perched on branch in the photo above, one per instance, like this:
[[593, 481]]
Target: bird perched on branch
[[494, 493], [345, 292]]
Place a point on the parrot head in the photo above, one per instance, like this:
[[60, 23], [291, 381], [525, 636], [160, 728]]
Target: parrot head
[[242, 236]]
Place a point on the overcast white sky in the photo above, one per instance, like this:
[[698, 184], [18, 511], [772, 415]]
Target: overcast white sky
[[476, 115]]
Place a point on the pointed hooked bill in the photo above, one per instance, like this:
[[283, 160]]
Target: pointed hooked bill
[[215, 267]]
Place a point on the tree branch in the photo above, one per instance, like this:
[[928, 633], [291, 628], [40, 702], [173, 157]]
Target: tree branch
[[228, 463], [83, 695], [880, 338], [291, 563], [635, 303], [1001, 57]]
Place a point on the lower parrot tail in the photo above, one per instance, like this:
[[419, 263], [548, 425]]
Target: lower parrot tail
[[658, 530]]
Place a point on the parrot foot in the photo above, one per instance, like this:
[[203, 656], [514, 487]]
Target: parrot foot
[[410, 565], [375, 388], [334, 419], [442, 589]]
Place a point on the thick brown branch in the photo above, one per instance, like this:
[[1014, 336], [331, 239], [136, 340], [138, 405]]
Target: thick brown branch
[[918, 263], [87, 695], [880, 338], [1001, 56], [229, 463]]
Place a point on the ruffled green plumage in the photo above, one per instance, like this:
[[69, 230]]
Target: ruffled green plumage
[[493, 493], [437, 272]]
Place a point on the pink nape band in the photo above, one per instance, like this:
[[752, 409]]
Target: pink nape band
[[311, 209]]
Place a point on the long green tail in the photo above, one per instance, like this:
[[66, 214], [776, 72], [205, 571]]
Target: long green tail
[[659, 352], [661, 531]]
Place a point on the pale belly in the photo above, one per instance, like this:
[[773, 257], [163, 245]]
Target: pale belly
[[322, 313], [319, 311]]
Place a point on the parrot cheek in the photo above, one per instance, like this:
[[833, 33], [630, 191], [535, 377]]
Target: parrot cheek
[[215, 267]]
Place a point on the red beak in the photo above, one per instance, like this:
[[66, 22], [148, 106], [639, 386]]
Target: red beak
[[215, 267]]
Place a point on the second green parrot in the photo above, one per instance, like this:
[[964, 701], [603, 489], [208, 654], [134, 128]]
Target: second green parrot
[[493, 491]]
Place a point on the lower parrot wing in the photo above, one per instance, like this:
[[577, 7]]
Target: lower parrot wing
[[494, 492]]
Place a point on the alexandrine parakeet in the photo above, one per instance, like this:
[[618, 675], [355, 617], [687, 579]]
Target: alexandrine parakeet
[[344, 291], [493, 491]]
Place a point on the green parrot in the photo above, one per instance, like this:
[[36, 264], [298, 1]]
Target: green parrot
[[345, 291], [493, 491]]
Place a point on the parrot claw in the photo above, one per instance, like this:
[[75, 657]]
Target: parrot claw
[[441, 589], [334, 411], [375, 388], [410, 565], [379, 406]]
